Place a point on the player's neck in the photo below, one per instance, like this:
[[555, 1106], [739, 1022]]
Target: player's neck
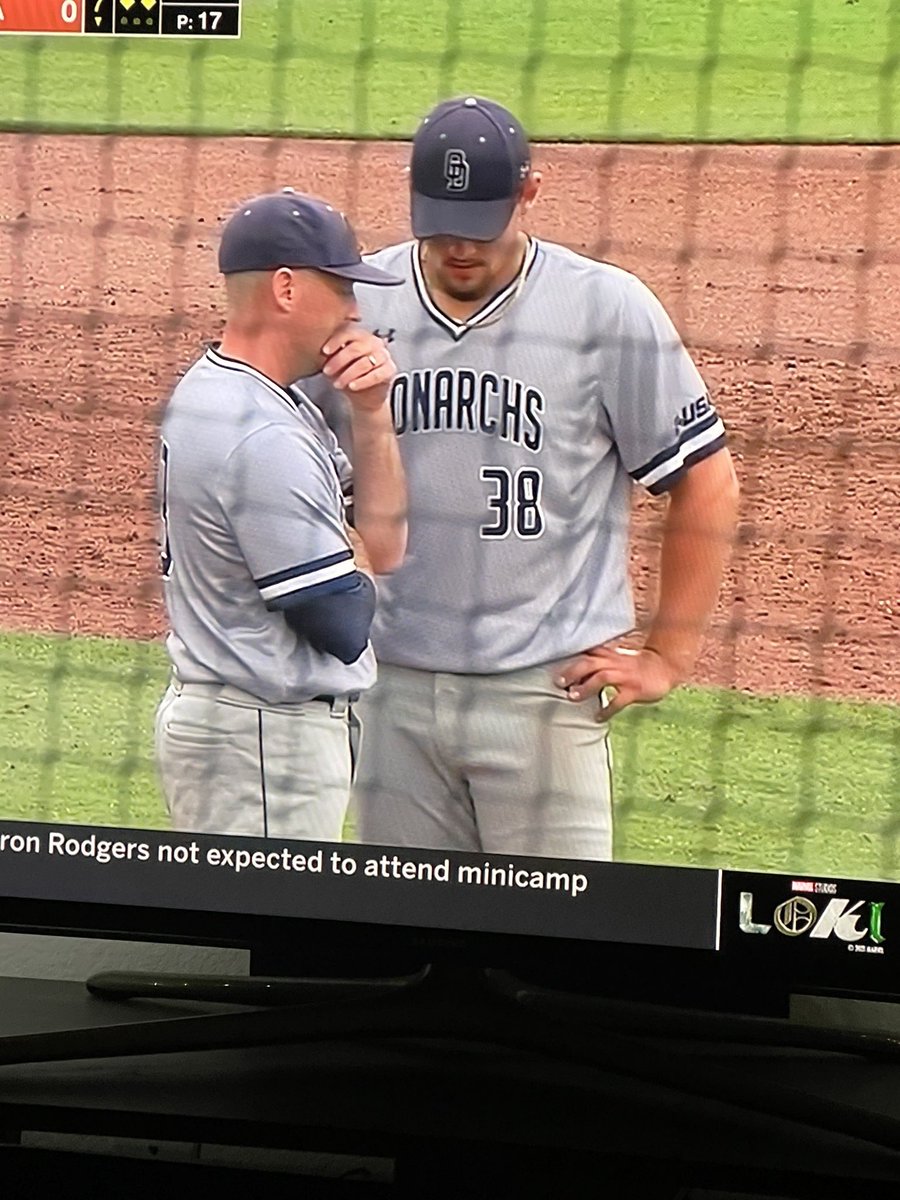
[[460, 309]]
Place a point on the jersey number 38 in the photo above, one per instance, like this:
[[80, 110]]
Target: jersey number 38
[[515, 502]]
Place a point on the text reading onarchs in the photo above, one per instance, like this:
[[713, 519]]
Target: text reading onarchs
[[469, 401]]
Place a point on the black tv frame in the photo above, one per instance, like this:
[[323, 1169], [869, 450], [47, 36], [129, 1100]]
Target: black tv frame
[[612, 1007]]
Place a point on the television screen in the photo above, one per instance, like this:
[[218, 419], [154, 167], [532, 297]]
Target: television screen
[[751, 810]]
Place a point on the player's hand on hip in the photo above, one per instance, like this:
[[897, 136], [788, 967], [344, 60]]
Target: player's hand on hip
[[359, 364], [636, 677]]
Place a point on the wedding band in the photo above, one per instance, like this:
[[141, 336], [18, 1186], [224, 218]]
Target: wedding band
[[373, 360]]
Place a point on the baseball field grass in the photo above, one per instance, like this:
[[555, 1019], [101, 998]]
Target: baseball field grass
[[759, 70], [708, 778]]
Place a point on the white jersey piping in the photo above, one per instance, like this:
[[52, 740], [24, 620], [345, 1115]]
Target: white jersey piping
[[496, 302]]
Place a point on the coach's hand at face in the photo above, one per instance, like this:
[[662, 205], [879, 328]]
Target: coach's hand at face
[[359, 364]]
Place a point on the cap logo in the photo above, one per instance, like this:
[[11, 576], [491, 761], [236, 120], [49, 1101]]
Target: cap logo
[[456, 171]]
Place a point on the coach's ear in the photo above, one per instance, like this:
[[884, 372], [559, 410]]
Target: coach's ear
[[284, 285]]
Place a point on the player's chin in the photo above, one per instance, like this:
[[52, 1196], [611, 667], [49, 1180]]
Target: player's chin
[[473, 289]]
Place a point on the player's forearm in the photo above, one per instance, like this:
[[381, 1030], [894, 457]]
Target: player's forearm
[[696, 545], [379, 489]]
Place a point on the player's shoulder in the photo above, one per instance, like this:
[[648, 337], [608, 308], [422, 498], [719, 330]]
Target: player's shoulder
[[607, 288], [562, 260], [396, 259]]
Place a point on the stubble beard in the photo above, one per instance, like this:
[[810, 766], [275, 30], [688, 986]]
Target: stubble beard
[[478, 289]]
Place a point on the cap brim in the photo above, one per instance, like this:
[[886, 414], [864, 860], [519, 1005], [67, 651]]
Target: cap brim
[[364, 273], [476, 220]]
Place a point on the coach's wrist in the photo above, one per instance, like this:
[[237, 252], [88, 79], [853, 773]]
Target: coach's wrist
[[371, 425], [370, 409]]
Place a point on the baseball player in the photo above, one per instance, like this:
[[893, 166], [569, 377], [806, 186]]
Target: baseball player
[[267, 588], [535, 387]]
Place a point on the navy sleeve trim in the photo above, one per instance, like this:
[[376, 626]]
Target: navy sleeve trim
[[675, 457], [306, 575], [704, 451], [659, 459], [329, 587]]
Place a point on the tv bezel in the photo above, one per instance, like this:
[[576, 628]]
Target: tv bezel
[[746, 975]]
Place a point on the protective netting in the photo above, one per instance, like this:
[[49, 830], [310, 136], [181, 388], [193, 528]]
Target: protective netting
[[779, 262]]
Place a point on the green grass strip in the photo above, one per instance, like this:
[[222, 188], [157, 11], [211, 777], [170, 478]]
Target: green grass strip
[[707, 778], [758, 70]]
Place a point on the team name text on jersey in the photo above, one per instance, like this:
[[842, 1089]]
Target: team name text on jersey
[[467, 400]]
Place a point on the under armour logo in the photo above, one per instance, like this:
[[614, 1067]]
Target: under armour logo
[[456, 170], [386, 335]]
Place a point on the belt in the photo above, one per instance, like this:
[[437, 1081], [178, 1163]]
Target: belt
[[337, 704]]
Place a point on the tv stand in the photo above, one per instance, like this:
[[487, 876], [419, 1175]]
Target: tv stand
[[457, 1005], [445, 1053]]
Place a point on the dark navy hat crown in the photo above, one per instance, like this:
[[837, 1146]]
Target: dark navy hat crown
[[470, 158], [291, 229]]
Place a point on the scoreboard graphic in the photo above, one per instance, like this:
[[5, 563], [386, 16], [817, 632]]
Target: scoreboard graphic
[[131, 18]]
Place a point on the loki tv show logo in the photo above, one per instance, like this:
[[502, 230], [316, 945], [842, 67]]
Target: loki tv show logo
[[851, 922]]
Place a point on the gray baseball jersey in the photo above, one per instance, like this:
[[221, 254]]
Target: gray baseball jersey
[[252, 485], [522, 431]]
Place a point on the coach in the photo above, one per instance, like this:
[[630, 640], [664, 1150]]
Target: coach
[[267, 585]]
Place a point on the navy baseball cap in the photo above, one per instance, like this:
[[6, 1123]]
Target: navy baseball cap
[[470, 158], [291, 229]]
